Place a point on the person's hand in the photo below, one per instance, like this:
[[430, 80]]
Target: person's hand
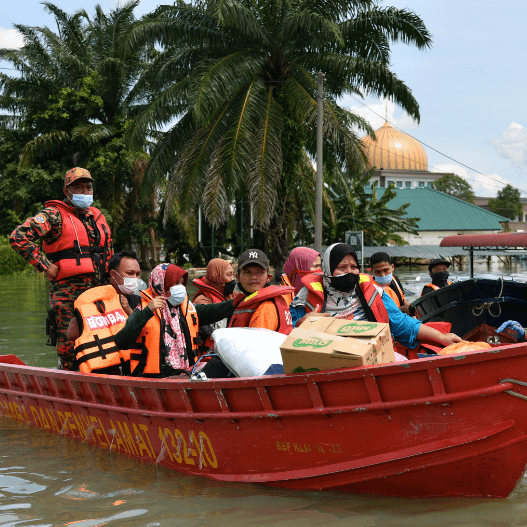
[[51, 272], [126, 306], [159, 302], [450, 338], [512, 328], [315, 312]]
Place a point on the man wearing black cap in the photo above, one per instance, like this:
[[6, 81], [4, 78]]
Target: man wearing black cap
[[260, 305], [438, 271]]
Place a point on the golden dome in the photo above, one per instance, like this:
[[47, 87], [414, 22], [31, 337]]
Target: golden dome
[[394, 150]]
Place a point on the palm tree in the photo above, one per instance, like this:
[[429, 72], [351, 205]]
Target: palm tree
[[74, 97], [240, 79]]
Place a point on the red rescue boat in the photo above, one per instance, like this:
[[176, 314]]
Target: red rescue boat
[[444, 426]]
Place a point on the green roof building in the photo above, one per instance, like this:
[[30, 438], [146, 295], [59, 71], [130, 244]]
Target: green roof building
[[442, 215]]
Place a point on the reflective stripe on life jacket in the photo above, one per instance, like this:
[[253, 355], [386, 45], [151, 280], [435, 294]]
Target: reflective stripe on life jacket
[[246, 306], [208, 291], [100, 317], [371, 300], [434, 287], [72, 251]]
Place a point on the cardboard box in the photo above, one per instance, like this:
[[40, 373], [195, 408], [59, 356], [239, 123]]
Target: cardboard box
[[307, 350], [374, 332]]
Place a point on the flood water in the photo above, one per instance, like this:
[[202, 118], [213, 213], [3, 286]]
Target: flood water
[[50, 480]]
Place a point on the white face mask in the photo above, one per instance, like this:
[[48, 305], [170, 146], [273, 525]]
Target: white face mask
[[81, 201], [177, 294], [128, 286]]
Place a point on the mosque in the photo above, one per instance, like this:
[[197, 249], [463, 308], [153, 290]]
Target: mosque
[[399, 159]]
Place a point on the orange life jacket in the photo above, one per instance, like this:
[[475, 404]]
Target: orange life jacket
[[286, 283], [100, 317], [72, 251], [434, 287], [372, 303], [246, 306], [216, 297], [152, 337], [208, 291], [395, 293]]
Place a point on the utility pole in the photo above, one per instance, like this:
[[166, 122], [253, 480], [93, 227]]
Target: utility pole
[[319, 179]]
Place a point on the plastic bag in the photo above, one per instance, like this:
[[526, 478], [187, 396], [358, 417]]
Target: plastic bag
[[463, 347], [250, 352]]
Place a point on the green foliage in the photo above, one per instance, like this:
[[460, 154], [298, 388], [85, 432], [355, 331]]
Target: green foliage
[[507, 203], [456, 186], [70, 104], [240, 80], [354, 206], [11, 261]]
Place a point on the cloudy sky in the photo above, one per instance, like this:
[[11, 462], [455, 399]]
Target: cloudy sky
[[471, 85]]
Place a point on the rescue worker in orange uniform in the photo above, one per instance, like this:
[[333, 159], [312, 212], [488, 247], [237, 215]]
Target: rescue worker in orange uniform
[[382, 269], [341, 291], [119, 300], [260, 305], [77, 244], [438, 271], [169, 332]]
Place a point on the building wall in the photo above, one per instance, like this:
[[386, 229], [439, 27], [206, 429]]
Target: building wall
[[405, 179], [520, 223], [433, 237]]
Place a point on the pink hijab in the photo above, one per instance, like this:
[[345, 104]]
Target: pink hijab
[[175, 353], [299, 259], [214, 277]]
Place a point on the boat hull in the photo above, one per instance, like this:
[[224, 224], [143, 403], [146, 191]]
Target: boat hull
[[443, 426]]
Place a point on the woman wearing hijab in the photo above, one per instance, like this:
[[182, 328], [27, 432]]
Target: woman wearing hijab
[[300, 262], [216, 286], [341, 291], [169, 332]]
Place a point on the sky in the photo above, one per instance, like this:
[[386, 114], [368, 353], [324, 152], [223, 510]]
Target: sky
[[471, 85]]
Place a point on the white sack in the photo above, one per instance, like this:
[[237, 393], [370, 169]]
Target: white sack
[[248, 352]]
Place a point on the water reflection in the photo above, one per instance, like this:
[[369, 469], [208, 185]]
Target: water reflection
[[51, 480]]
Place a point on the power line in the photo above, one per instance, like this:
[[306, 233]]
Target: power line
[[435, 150]]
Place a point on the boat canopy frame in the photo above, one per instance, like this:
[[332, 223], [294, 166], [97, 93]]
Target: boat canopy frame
[[497, 244]]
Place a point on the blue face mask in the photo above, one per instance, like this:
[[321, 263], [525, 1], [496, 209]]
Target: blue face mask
[[384, 280], [177, 294], [81, 201]]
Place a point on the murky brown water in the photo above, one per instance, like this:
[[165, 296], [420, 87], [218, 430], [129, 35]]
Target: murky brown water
[[49, 480]]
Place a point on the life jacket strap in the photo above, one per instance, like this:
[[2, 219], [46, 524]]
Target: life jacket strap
[[98, 343]]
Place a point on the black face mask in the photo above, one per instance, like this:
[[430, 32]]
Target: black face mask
[[440, 279], [228, 289], [345, 283]]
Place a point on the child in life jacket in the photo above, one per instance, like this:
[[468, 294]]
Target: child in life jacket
[[341, 291], [171, 332], [259, 304]]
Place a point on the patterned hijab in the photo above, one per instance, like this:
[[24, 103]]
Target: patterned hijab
[[339, 304], [162, 278], [299, 259]]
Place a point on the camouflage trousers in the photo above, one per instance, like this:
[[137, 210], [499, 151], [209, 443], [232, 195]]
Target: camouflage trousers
[[62, 295]]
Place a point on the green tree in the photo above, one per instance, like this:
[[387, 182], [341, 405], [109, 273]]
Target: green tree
[[455, 186], [507, 203], [240, 77], [354, 206], [70, 104]]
